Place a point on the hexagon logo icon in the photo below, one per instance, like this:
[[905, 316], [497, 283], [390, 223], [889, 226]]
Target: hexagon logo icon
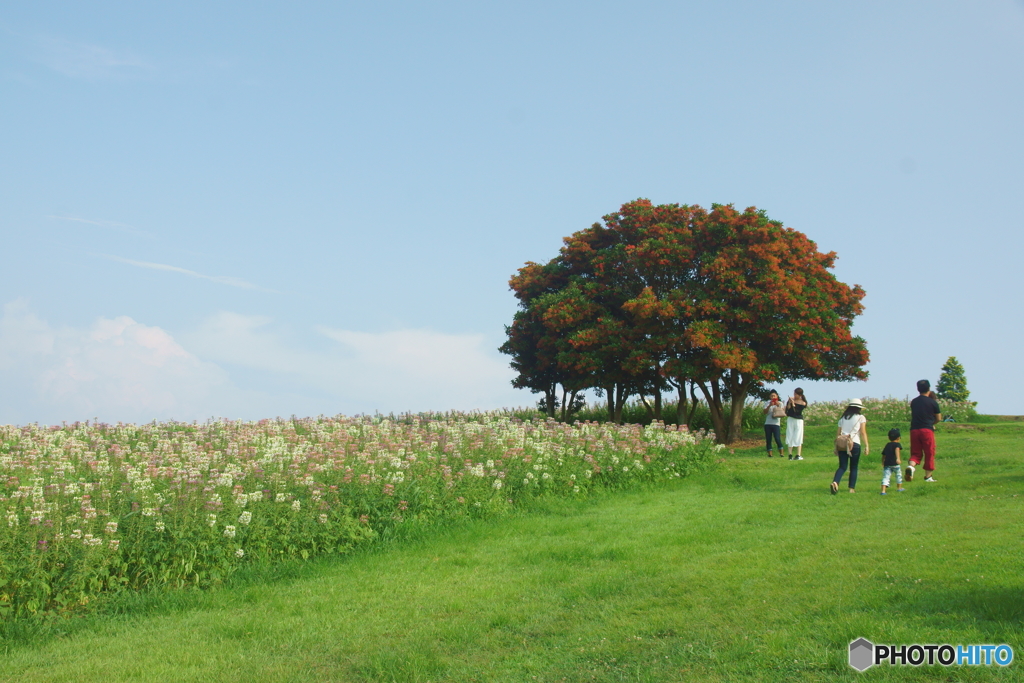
[[862, 653]]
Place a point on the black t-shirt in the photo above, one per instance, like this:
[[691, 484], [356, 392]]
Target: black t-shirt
[[796, 410], [889, 453], [923, 410]]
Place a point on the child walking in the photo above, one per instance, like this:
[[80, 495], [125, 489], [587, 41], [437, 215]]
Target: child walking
[[891, 461]]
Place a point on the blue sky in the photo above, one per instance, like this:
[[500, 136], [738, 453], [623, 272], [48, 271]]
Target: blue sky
[[261, 209]]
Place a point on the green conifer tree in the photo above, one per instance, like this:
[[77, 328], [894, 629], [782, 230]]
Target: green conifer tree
[[952, 384]]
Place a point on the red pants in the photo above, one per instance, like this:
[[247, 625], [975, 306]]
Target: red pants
[[922, 444]]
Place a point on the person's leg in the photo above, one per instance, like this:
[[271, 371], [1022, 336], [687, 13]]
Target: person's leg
[[777, 433], [915, 452], [928, 447], [886, 475], [899, 477], [795, 437], [854, 461], [844, 458], [768, 439]]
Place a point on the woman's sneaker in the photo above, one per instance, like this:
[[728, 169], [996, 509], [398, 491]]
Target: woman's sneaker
[[799, 457], [931, 479]]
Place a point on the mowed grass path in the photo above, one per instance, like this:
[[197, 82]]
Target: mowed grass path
[[753, 572]]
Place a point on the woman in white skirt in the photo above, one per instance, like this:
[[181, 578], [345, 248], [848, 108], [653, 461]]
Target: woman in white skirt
[[795, 423]]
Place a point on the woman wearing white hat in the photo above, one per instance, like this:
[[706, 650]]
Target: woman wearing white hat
[[854, 425]]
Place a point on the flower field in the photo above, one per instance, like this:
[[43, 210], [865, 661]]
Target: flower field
[[97, 508], [886, 411]]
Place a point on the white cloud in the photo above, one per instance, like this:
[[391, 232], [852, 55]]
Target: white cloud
[[116, 369], [122, 227], [221, 279], [89, 61], [389, 371]]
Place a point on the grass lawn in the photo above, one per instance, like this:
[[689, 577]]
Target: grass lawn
[[754, 572]]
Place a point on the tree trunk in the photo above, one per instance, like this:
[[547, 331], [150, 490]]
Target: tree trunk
[[681, 406], [551, 395], [619, 401], [693, 405], [610, 393], [714, 399], [736, 419], [650, 410], [564, 392], [738, 387], [572, 403], [658, 381]]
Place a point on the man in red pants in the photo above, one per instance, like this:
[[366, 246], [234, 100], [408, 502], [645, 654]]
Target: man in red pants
[[924, 413]]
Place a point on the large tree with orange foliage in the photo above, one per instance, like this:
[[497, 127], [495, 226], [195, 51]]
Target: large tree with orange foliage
[[724, 299]]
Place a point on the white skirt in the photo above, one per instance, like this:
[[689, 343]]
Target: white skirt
[[794, 432]]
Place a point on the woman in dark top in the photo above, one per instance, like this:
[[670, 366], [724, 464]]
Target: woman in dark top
[[772, 422], [795, 423]]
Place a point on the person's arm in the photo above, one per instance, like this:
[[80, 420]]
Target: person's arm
[[899, 449], [864, 437]]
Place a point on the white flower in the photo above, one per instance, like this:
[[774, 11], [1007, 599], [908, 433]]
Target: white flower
[[114, 543], [159, 526], [229, 531], [239, 553], [148, 512], [111, 528], [497, 484], [296, 505], [322, 519], [280, 498], [245, 517], [211, 520]]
